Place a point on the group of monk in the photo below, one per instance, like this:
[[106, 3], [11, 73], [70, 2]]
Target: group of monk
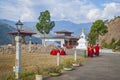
[[57, 51], [93, 50]]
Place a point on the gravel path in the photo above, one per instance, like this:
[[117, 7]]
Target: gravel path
[[104, 67]]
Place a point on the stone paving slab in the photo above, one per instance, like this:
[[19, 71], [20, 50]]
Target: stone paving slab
[[104, 67]]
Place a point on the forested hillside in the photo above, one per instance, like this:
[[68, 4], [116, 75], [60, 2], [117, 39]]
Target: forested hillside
[[112, 37], [4, 36]]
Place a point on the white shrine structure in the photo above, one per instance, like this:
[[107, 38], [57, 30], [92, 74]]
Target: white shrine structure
[[82, 42]]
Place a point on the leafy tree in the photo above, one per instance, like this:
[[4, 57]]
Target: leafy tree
[[98, 28], [92, 38], [45, 25]]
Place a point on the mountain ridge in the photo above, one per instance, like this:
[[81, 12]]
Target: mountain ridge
[[30, 26]]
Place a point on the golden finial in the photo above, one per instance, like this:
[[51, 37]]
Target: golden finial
[[82, 29]]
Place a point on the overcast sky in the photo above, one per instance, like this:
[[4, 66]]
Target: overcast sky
[[77, 11]]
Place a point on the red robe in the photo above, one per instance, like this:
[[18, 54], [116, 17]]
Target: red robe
[[92, 50], [88, 51], [97, 50], [62, 52], [53, 52]]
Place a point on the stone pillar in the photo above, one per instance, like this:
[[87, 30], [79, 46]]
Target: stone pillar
[[44, 42], [13, 40], [72, 42], [18, 57], [30, 41], [75, 55], [58, 59], [23, 39], [67, 40]]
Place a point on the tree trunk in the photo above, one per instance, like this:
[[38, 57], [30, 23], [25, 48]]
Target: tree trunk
[[97, 40], [44, 40]]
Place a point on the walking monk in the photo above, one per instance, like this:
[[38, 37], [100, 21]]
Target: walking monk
[[62, 52], [97, 48], [91, 50]]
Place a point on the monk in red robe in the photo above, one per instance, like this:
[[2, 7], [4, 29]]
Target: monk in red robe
[[97, 48], [62, 52], [53, 52], [92, 50]]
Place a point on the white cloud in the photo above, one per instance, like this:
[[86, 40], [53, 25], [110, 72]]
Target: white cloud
[[93, 14], [17, 9], [77, 11], [108, 12], [74, 11], [26, 12], [111, 10]]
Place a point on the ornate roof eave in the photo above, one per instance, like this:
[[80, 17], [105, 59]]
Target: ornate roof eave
[[61, 37], [22, 32], [63, 31]]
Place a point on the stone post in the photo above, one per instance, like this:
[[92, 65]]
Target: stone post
[[58, 59], [13, 40], [18, 57], [75, 55], [30, 41]]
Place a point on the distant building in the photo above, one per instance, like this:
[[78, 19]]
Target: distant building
[[23, 34], [63, 37]]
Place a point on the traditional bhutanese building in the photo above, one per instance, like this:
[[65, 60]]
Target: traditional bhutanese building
[[23, 34], [63, 37]]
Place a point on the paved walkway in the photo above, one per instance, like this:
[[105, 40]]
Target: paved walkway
[[105, 67]]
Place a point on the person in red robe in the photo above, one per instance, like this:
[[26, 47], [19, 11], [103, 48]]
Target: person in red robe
[[53, 52], [97, 48], [92, 50], [62, 52]]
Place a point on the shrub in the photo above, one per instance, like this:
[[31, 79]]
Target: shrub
[[53, 69], [78, 61], [11, 77], [40, 71], [68, 63], [27, 76]]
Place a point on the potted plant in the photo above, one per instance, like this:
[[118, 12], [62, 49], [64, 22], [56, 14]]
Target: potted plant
[[54, 71], [77, 63], [68, 65], [39, 73]]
